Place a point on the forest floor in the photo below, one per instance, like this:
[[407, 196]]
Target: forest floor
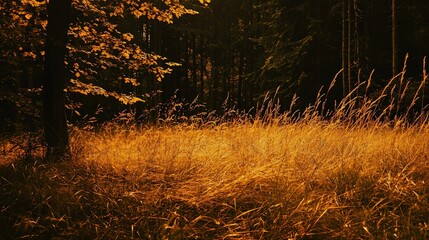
[[301, 180]]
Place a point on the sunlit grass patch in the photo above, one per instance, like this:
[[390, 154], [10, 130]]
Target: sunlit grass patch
[[297, 180], [349, 175]]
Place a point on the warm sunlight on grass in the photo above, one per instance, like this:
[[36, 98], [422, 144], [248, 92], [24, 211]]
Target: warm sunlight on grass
[[271, 176], [298, 180]]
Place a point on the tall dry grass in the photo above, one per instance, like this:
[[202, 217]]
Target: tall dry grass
[[299, 180], [359, 172]]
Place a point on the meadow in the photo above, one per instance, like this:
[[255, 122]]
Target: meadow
[[355, 175]]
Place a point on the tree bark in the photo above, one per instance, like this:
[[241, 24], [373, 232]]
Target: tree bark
[[194, 63], [357, 43], [54, 114], [343, 47], [349, 45], [240, 81], [394, 55], [202, 68]]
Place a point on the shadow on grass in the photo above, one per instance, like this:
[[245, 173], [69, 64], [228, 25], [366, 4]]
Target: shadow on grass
[[38, 201], [72, 200], [63, 201]]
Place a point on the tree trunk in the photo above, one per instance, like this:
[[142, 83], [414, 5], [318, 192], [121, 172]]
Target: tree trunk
[[394, 55], [202, 68], [54, 115], [357, 42], [349, 45], [343, 47], [194, 63], [240, 81]]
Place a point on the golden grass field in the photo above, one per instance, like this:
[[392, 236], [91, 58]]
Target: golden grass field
[[302, 180], [359, 174]]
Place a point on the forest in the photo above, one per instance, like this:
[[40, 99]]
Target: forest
[[214, 119], [231, 54]]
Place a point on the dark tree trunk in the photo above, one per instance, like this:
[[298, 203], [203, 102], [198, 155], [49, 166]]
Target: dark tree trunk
[[394, 50], [213, 89], [188, 91], [202, 67], [343, 47], [240, 81], [194, 63], [54, 115], [349, 45]]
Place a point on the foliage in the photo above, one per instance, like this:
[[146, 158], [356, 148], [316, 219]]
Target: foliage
[[20, 62], [100, 45], [103, 57], [233, 51]]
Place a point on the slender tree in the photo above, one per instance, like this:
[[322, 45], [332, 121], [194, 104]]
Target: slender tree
[[54, 115], [394, 48], [343, 46], [356, 34], [349, 45]]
